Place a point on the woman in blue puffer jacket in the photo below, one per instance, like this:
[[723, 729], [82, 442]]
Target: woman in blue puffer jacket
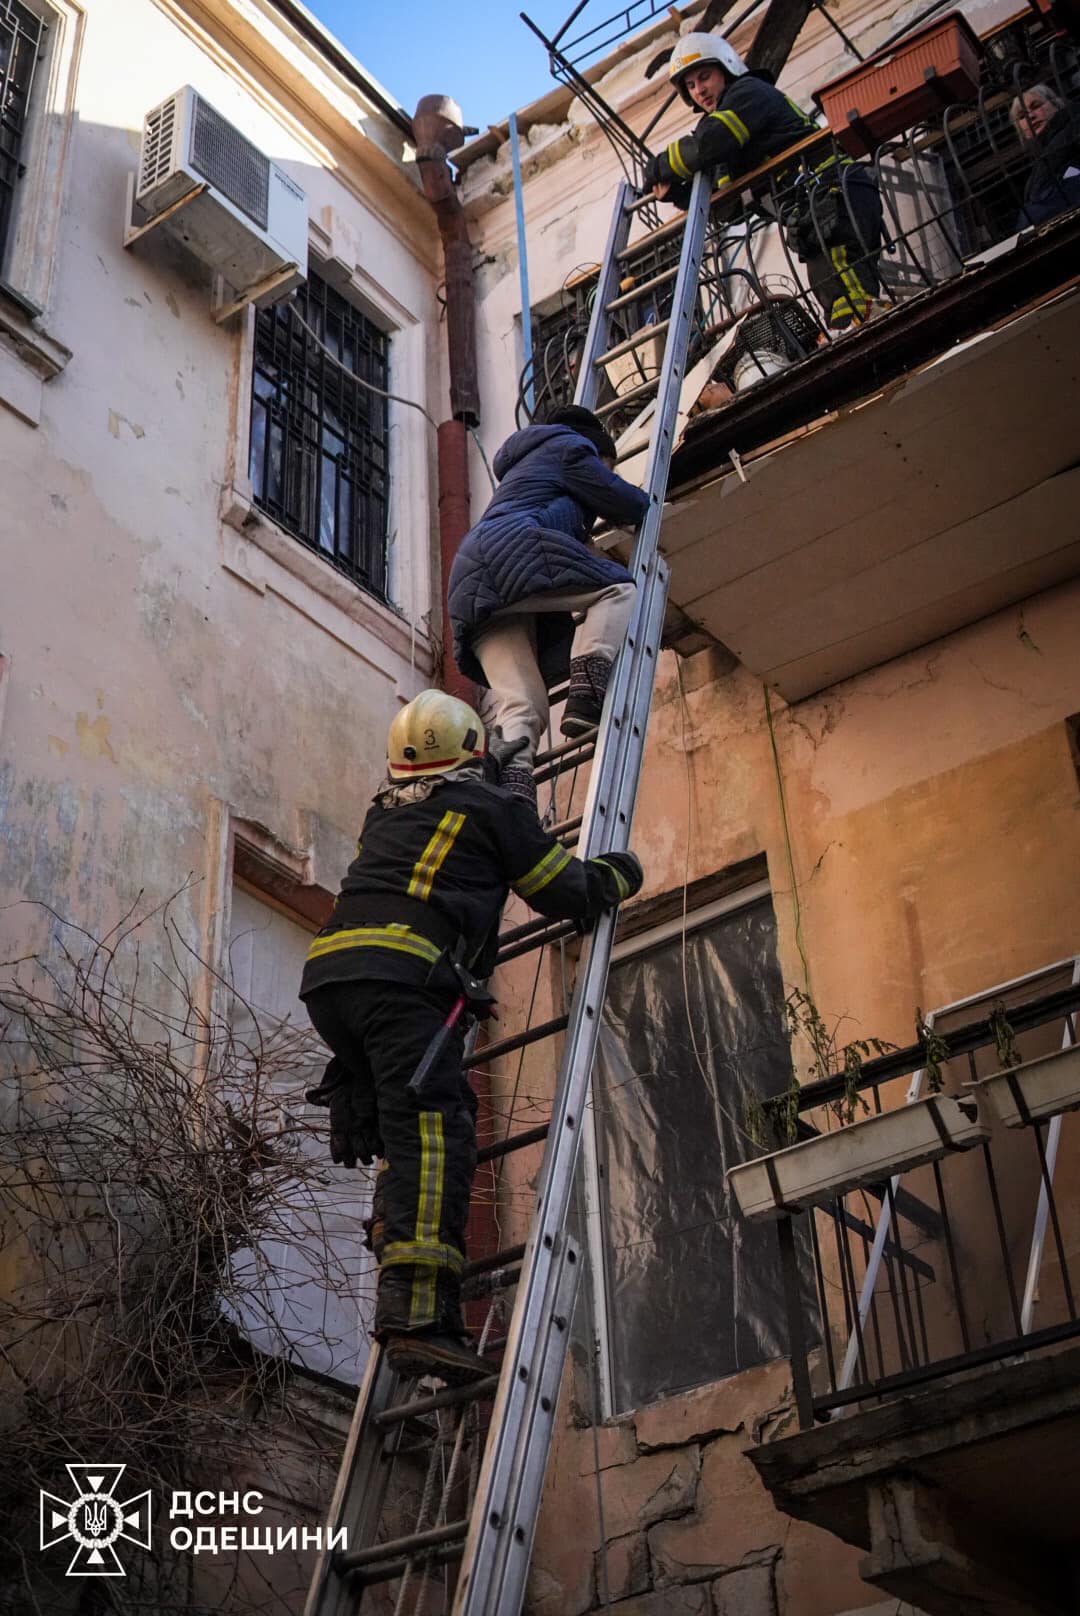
[[526, 566]]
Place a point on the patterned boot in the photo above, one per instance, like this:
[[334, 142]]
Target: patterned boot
[[517, 778], [588, 681]]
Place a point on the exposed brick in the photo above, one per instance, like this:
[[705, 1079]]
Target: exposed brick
[[627, 1568], [726, 1405], [749, 1592], [653, 1488]]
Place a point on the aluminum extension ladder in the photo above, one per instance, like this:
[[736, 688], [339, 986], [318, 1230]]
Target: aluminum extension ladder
[[497, 1506]]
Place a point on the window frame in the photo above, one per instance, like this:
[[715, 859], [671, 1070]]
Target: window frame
[[361, 423], [742, 897]]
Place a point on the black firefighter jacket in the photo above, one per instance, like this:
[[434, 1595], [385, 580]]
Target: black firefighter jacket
[[430, 872], [753, 122]]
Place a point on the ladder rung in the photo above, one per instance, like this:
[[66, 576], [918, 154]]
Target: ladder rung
[[556, 753], [498, 1259], [405, 1546], [642, 289], [628, 398], [640, 202], [520, 1040], [564, 764], [450, 1398], [516, 1141], [647, 243], [641, 336], [387, 1570], [486, 1284], [541, 939]]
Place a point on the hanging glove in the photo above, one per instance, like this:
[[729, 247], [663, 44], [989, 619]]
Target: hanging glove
[[354, 1119], [612, 878]]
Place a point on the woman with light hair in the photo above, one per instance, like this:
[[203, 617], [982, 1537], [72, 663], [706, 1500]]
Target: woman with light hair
[[1046, 123]]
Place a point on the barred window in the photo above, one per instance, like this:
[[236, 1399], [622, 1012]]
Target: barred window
[[21, 37], [319, 440]]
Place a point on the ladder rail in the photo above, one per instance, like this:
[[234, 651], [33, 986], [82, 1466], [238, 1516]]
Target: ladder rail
[[499, 1543]]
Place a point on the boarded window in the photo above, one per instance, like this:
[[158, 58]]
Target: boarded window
[[692, 1029]]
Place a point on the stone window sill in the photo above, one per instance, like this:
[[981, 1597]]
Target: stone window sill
[[29, 357], [250, 537]]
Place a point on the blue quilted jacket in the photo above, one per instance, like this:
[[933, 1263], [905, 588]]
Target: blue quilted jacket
[[533, 538]]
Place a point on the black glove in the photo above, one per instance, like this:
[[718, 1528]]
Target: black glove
[[612, 878], [354, 1118], [653, 176]]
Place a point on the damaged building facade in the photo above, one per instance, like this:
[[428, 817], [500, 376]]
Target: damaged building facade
[[860, 784]]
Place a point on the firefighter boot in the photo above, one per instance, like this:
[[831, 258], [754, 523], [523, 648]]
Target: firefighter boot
[[588, 682], [438, 1346]]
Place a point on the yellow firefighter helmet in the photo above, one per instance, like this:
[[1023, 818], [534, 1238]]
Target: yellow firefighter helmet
[[432, 735]]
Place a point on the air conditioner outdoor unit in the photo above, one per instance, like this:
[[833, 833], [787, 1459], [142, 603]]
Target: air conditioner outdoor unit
[[238, 212]]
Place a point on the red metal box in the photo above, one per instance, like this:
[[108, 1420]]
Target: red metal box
[[900, 87]]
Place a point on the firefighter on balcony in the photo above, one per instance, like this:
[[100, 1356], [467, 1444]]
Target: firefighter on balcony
[[833, 220], [412, 934]]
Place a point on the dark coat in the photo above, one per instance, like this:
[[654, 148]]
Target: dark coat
[[533, 539], [1051, 189]]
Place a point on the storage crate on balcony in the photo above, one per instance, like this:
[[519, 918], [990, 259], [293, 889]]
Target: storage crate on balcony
[[902, 86]]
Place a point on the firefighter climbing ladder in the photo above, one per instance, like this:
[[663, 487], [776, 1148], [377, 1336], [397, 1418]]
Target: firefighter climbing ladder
[[493, 1536]]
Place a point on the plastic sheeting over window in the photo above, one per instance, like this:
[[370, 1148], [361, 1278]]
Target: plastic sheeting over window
[[691, 1030]]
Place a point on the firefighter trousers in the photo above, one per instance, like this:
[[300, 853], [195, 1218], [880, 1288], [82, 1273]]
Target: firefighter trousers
[[844, 275], [380, 1031]]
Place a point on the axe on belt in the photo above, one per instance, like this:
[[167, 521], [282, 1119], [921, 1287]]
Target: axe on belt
[[472, 997]]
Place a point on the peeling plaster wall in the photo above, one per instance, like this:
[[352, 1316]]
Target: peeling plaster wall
[[160, 662]]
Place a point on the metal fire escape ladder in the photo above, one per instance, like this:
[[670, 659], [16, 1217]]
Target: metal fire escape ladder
[[498, 1528]]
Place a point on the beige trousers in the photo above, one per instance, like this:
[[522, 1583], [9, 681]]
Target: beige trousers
[[506, 650]]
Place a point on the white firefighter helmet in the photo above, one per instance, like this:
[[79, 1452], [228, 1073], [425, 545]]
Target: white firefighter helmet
[[432, 735], [694, 50]]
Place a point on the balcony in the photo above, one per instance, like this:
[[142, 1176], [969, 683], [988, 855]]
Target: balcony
[[933, 1320], [843, 497]]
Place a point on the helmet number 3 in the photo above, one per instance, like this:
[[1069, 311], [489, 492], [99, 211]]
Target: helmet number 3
[[429, 739]]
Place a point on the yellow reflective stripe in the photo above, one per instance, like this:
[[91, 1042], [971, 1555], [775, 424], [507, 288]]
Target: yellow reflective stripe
[[428, 1210], [674, 157], [544, 870], [805, 116], [621, 883], [427, 865], [734, 124], [394, 936], [856, 291], [423, 1253]]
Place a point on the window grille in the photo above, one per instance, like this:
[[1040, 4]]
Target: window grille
[[21, 33], [319, 440]]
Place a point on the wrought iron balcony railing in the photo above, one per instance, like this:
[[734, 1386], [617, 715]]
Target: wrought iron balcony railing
[[952, 190], [970, 1256]]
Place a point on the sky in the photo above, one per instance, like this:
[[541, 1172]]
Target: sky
[[480, 52]]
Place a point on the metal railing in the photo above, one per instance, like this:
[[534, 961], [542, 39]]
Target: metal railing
[[966, 1260], [947, 191]]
